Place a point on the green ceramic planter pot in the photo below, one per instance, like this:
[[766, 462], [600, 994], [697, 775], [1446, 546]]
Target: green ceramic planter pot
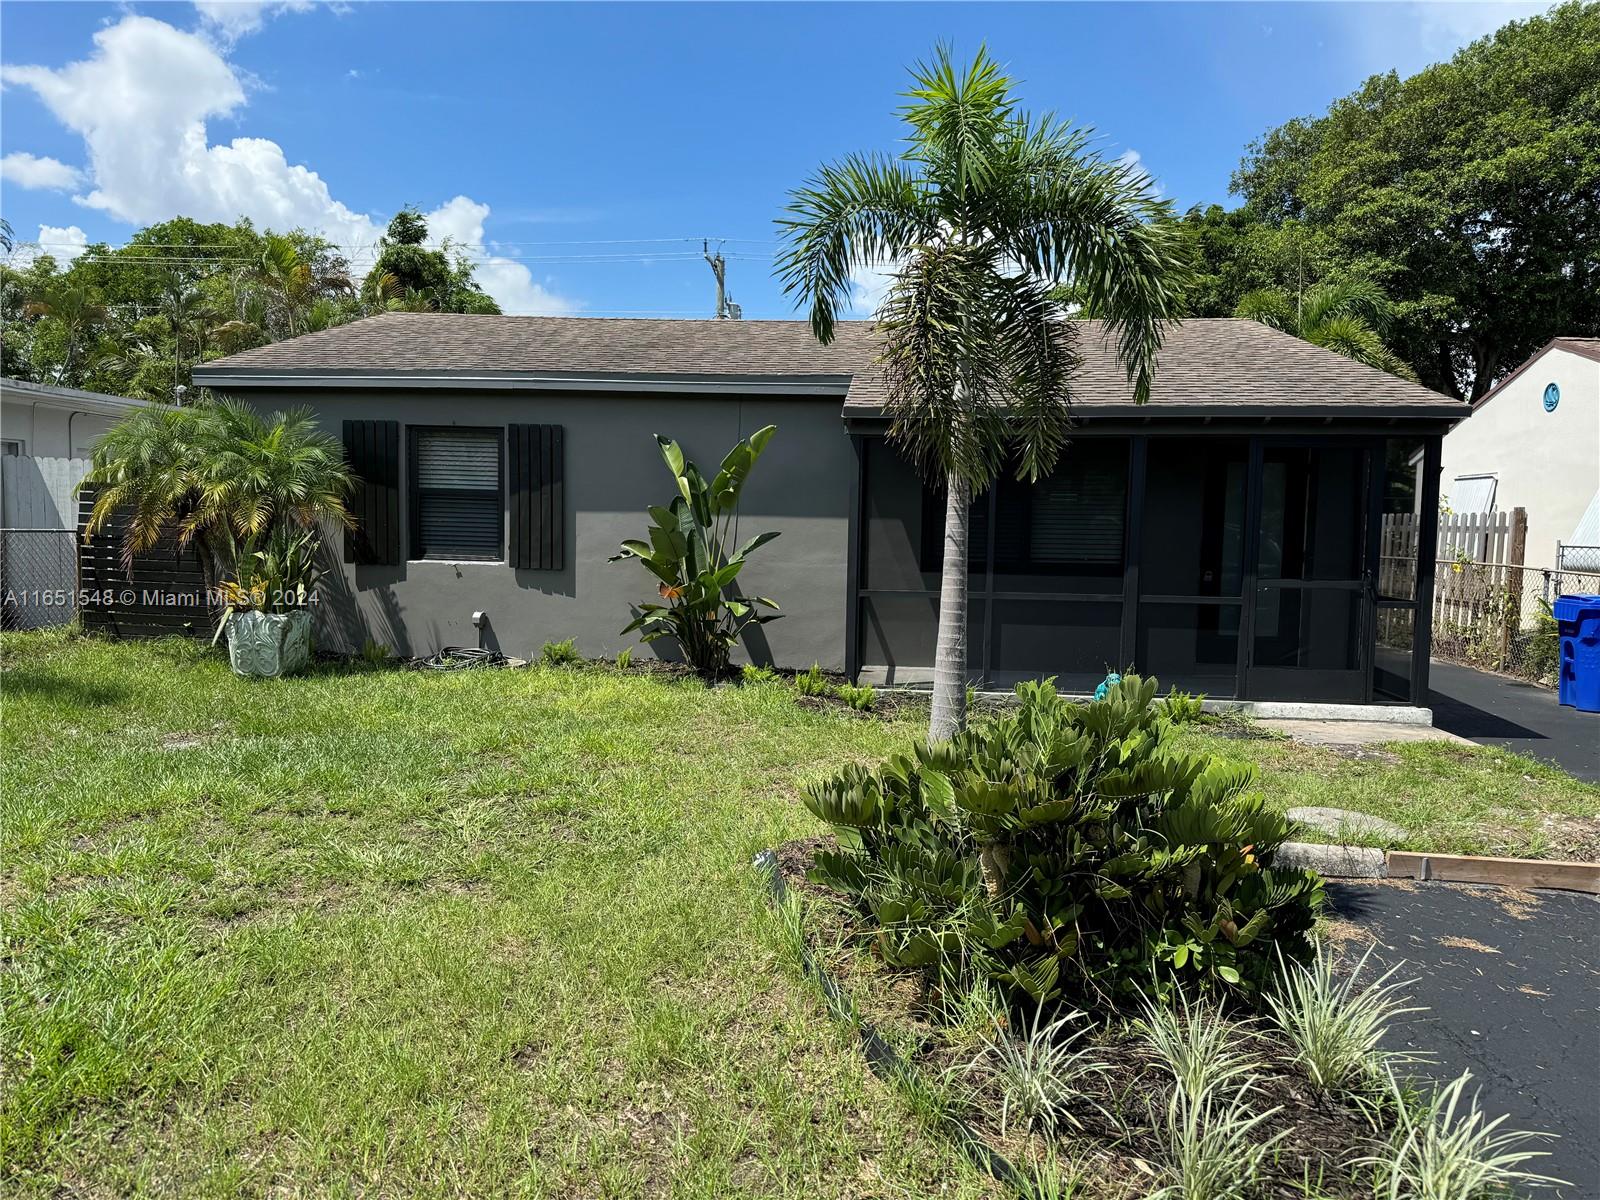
[[269, 645]]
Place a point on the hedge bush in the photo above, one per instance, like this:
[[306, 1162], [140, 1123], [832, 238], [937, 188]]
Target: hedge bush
[[1069, 850]]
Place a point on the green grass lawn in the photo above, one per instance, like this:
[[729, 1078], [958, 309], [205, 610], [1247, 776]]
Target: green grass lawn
[[1448, 797], [396, 934], [387, 933]]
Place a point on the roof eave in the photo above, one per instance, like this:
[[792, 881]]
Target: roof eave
[[1230, 413], [519, 381]]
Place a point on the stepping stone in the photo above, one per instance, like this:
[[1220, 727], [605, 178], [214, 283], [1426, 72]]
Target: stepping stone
[[1345, 822]]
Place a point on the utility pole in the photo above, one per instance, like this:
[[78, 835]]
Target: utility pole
[[727, 310]]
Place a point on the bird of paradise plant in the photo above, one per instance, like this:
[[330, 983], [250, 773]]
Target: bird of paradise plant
[[688, 552]]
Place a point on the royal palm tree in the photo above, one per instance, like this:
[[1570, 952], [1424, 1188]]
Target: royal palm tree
[[985, 212], [184, 305], [1349, 317]]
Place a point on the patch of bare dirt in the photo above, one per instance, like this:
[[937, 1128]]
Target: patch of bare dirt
[[1576, 839], [1461, 943]]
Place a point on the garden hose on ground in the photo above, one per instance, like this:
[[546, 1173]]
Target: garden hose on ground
[[460, 658]]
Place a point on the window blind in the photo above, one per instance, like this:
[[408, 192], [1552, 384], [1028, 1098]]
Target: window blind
[[1077, 515], [458, 502]]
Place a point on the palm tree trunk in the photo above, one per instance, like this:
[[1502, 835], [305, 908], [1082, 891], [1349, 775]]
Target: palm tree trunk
[[950, 656]]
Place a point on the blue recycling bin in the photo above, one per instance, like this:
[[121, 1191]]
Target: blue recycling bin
[[1578, 624]]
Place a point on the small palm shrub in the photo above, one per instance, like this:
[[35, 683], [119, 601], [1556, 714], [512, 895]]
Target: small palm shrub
[[559, 654], [860, 698], [1334, 1026], [750, 674], [624, 658], [812, 682], [1069, 849]]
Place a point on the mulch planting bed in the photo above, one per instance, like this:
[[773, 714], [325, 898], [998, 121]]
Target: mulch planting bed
[[1111, 1136]]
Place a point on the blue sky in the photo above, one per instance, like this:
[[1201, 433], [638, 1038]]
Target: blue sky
[[552, 140]]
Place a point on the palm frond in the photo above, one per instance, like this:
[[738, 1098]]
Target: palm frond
[[941, 365], [1037, 349], [861, 212], [1071, 217], [958, 120]]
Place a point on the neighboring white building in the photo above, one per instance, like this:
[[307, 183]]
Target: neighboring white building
[[46, 435], [1533, 442], [43, 421]]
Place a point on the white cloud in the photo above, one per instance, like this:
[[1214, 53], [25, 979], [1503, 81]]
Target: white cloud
[[232, 19], [1131, 158], [28, 171], [141, 102], [1443, 28], [1408, 37], [869, 286], [61, 242], [460, 221]]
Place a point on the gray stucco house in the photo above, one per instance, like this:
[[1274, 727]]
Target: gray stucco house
[[1223, 536]]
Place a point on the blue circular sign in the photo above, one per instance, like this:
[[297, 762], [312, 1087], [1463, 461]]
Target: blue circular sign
[[1552, 397]]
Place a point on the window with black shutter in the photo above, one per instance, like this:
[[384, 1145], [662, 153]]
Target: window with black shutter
[[457, 494], [536, 459]]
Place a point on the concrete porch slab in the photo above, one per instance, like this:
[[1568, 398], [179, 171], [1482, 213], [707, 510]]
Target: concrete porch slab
[[1358, 733]]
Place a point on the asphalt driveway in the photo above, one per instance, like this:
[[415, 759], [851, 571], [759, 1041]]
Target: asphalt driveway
[[1511, 981], [1496, 710]]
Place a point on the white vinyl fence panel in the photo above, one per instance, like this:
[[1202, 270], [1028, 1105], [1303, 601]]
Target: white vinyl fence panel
[[40, 493]]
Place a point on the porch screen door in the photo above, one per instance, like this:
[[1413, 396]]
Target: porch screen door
[[1311, 611]]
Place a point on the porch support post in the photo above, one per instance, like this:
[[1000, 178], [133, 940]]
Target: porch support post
[[1427, 559], [1138, 466], [852, 569], [1252, 556]]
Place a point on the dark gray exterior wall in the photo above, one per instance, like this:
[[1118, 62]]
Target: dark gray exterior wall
[[802, 487]]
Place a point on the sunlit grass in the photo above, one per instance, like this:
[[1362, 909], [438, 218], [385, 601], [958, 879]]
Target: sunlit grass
[[1448, 797], [375, 932]]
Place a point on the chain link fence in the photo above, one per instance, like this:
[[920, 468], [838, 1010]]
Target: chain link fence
[[1498, 618], [1585, 560], [38, 577]]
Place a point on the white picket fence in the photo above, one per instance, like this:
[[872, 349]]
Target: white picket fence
[[1484, 601]]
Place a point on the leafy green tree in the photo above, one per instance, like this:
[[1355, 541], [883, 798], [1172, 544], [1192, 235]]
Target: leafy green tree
[[1469, 192], [135, 320], [1348, 318], [983, 215], [76, 308], [421, 278]]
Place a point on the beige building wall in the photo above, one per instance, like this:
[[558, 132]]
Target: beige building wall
[[1545, 462]]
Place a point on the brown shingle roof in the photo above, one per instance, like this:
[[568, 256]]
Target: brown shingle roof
[[1206, 363], [1588, 347]]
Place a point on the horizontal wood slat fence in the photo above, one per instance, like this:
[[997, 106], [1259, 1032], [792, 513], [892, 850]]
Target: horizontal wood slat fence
[[164, 594]]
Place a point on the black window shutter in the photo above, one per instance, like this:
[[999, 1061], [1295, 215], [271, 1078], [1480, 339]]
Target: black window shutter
[[538, 502], [373, 451]]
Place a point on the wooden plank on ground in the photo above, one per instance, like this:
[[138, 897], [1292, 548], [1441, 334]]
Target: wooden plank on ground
[[1503, 872]]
